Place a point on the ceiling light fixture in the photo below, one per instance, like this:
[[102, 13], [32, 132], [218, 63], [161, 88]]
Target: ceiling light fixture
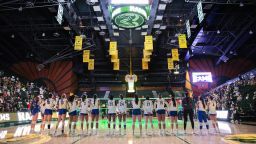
[[162, 6], [96, 28], [100, 18], [159, 17], [162, 27], [96, 8], [143, 33], [218, 31], [103, 27], [102, 33], [250, 32], [241, 4], [158, 32]]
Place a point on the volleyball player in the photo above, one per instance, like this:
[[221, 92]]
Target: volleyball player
[[136, 113], [148, 113], [201, 113], [35, 109], [84, 110], [160, 110], [188, 110], [42, 110], [72, 107], [62, 105], [173, 112], [212, 104], [121, 110], [95, 113], [49, 105], [111, 114]]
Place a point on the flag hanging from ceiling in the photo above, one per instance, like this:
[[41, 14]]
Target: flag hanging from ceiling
[[182, 41], [86, 56], [91, 64], [170, 63], [78, 43], [175, 55]]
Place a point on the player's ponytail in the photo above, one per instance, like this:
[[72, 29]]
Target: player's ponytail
[[136, 99], [173, 101], [94, 97]]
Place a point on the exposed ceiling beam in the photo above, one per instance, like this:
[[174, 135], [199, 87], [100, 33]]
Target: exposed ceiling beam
[[152, 16], [237, 39]]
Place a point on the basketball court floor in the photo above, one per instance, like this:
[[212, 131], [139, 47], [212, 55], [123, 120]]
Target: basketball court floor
[[21, 134]]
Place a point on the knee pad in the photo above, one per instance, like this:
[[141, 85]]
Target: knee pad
[[139, 123], [97, 122], [73, 123], [200, 124], [163, 122], [124, 122]]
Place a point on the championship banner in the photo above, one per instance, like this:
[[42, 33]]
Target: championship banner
[[116, 65], [170, 63], [144, 65], [146, 53], [113, 52], [86, 55], [78, 43], [114, 58], [175, 55], [91, 64], [148, 39], [112, 45], [182, 41], [147, 58], [148, 46]]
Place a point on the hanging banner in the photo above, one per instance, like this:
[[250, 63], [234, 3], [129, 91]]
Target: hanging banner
[[170, 63], [91, 64], [114, 58], [148, 46], [175, 55], [116, 65], [113, 52], [146, 58], [78, 43], [113, 45], [145, 52], [182, 41], [148, 39], [86, 55], [144, 65]]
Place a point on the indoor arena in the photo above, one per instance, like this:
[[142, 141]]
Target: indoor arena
[[127, 71]]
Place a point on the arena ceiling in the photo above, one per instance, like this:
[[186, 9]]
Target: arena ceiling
[[29, 31]]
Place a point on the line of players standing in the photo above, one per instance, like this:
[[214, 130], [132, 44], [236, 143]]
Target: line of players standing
[[88, 106]]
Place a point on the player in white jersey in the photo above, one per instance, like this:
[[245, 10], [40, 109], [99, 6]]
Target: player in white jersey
[[160, 110], [121, 110], [136, 113], [148, 113], [95, 113], [42, 109], [62, 106], [212, 104], [49, 104], [111, 114], [173, 112], [201, 113], [84, 111], [72, 112]]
